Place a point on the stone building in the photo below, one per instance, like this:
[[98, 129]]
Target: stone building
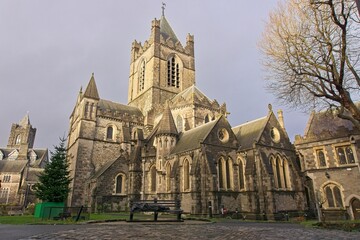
[[173, 142], [20, 164], [329, 152]]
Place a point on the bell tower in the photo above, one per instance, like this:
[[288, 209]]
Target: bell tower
[[160, 68]]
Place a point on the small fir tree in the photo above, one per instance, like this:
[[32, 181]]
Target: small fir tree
[[53, 185]]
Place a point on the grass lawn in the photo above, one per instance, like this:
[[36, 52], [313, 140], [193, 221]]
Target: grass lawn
[[29, 219]]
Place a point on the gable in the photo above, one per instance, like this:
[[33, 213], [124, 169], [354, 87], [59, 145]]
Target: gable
[[221, 135], [273, 135]]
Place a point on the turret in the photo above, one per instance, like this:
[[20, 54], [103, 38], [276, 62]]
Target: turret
[[166, 134]]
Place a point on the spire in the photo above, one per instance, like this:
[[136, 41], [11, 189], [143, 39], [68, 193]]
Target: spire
[[91, 89], [167, 124], [25, 121], [166, 30]]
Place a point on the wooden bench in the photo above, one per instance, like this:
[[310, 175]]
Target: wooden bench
[[156, 206]]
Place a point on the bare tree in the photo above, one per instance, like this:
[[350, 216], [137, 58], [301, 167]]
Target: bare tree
[[312, 51]]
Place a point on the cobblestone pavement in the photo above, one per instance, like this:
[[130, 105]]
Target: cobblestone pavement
[[196, 230]]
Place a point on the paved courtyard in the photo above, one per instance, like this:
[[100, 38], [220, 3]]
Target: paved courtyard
[[186, 230]]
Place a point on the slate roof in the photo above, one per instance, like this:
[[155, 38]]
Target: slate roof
[[166, 31], [12, 166], [167, 124], [249, 132], [322, 125], [41, 154], [188, 94], [112, 106], [191, 139], [91, 89]]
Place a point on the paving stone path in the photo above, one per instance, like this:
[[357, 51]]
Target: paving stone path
[[196, 230]]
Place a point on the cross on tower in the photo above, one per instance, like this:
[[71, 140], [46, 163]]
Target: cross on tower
[[163, 8]]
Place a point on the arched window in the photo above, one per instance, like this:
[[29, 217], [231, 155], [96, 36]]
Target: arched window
[[207, 119], [91, 109], [279, 173], [142, 76], [229, 182], [333, 196], [221, 174], [109, 132], [168, 177], [153, 179], [285, 174], [186, 175], [120, 184], [341, 155], [179, 123], [321, 158], [241, 175], [349, 155], [18, 139], [225, 174], [276, 179], [173, 76], [86, 109]]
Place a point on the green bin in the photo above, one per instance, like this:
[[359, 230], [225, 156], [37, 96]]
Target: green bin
[[49, 209]]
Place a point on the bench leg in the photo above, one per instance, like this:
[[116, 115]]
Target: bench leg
[[155, 216], [179, 216], [131, 216]]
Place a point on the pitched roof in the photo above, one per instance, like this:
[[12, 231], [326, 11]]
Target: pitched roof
[[322, 125], [91, 89], [167, 124], [112, 106], [249, 132], [40, 153], [189, 93], [25, 121], [166, 30], [191, 139], [12, 166]]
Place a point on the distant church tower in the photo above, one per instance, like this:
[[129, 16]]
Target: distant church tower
[[159, 69], [22, 136]]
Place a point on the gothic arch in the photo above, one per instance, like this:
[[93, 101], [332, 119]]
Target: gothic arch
[[152, 178], [186, 174], [120, 183], [141, 74], [350, 198], [241, 165], [110, 132], [333, 193], [174, 71], [168, 176]]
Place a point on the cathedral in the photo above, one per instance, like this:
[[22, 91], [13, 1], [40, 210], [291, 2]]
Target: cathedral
[[20, 165], [171, 141]]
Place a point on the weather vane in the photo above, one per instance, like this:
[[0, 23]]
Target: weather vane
[[163, 8]]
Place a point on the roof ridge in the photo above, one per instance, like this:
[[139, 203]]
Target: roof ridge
[[249, 122]]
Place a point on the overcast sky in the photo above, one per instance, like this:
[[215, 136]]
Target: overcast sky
[[48, 50]]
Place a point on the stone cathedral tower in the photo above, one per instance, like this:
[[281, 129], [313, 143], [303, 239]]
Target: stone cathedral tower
[[171, 141], [160, 68]]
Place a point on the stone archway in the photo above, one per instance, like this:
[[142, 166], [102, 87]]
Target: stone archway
[[355, 206]]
